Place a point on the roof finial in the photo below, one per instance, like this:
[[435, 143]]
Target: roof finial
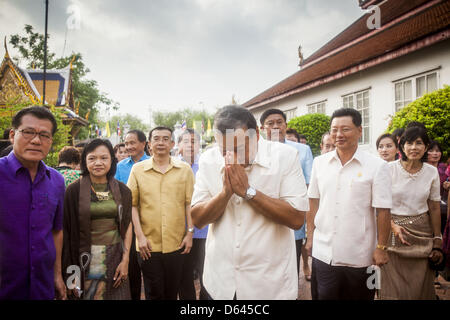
[[300, 55], [6, 50], [71, 61]]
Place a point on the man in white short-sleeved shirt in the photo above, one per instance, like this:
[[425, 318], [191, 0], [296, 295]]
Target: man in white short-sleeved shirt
[[346, 187], [253, 194]]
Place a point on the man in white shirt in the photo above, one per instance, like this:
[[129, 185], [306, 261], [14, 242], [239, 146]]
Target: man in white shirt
[[253, 194], [346, 186]]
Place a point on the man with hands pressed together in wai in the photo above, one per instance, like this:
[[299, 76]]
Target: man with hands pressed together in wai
[[253, 194], [162, 189], [345, 234]]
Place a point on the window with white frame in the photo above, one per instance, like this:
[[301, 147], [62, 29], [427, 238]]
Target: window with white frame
[[290, 114], [410, 89], [360, 102], [318, 107]]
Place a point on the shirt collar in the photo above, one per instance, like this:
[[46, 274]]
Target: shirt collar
[[358, 156], [173, 162], [16, 165], [144, 157], [263, 153], [262, 157]]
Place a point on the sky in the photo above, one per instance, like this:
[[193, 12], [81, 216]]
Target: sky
[[167, 55]]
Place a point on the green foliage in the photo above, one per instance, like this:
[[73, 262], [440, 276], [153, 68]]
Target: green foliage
[[433, 110], [60, 139], [134, 122], [313, 126], [169, 119], [86, 92]]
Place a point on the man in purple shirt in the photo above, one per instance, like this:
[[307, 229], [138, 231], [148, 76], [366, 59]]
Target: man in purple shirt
[[31, 211]]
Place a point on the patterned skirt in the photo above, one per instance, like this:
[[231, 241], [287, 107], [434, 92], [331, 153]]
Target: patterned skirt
[[407, 275], [98, 284]]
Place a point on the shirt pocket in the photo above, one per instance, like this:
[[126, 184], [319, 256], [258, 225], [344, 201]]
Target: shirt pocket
[[47, 206], [361, 193]]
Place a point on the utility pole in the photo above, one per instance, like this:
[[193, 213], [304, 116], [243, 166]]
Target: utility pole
[[45, 52]]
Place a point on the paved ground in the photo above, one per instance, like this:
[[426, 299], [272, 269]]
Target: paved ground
[[304, 287]]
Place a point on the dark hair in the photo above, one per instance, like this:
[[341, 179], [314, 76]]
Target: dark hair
[[433, 144], [6, 151], [416, 124], [270, 112], [386, 135], [234, 117], [160, 128], [302, 136], [36, 111], [410, 135], [91, 146], [80, 145], [69, 155], [118, 146], [348, 112], [188, 131], [294, 132], [139, 134], [398, 133], [6, 143]]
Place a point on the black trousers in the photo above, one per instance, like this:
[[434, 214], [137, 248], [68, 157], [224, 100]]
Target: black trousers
[[193, 262], [134, 271], [339, 282], [162, 274], [298, 252]]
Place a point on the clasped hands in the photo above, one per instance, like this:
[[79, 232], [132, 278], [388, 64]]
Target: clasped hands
[[235, 179]]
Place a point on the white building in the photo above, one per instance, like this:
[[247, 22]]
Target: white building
[[377, 71]]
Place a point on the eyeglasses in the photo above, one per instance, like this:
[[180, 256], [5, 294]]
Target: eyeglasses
[[30, 134]]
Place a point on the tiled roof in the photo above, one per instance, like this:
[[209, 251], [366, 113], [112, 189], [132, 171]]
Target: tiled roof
[[374, 43]]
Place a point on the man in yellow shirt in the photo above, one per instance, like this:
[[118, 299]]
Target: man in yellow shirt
[[162, 189]]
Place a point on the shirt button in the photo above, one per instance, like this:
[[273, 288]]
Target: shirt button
[[237, 267], [237, 245], [239, 224], [32, 247]]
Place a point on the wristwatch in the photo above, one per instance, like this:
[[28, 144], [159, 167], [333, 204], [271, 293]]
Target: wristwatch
[[251, 192], [191, 230], [379, 246]]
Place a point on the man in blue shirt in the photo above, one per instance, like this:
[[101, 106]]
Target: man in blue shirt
[[189, 149], [135, 144], [273, 121]]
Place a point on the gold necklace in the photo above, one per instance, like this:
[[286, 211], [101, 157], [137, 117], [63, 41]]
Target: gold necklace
[[101, 195]]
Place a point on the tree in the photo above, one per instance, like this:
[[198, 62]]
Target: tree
[[169, 119], [433, 110], [313, 126], [133, 122], [87, 95]]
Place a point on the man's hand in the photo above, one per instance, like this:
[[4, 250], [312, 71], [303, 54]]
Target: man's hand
[[60, 288], [227, 189], [186, 243], [238, 179], [144, 247], [380, 257]]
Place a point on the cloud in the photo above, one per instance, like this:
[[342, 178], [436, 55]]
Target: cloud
[[173, 54]]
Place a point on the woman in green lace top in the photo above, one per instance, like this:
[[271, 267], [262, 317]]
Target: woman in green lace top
[[97, 227]]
